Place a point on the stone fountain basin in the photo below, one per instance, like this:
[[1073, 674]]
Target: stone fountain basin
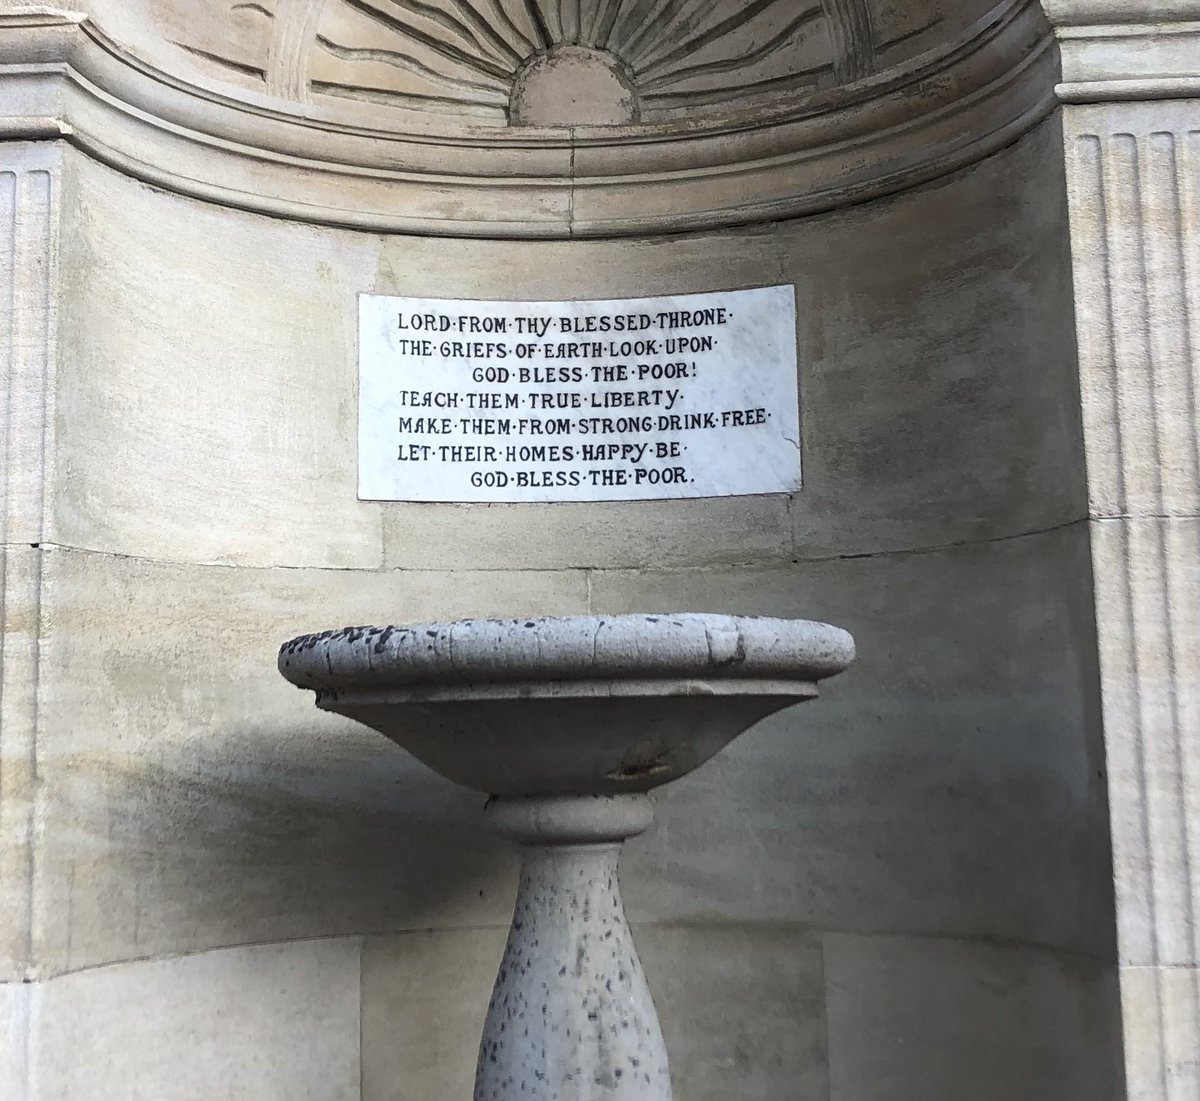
[[567, 705]]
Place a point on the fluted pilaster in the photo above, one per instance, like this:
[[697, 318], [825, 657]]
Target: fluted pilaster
[[28, 202], [1131, 81]]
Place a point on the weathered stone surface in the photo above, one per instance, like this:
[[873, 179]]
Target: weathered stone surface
[[578, 705], [425, 996], [324, 112], [1131, 77], [1159, 1012], [725, 531], [940, 402], [743, 1013], [1126, 50], [1003, 1022], [468, 657], [464, 59], [31, 187], [16, 1011], [950, 781], [185, 475], [953, 783], [1147, 578], [157, 460], [30, 200], [573, 86], [571, 1009], [20, 582], [1133, 178], [276, 1022], [744, 1016], [192, 798]]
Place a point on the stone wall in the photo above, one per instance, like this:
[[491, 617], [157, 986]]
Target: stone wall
[[208, 888], [900, 890]]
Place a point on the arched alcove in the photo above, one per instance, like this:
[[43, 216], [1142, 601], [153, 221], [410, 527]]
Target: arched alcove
[[902, 892]]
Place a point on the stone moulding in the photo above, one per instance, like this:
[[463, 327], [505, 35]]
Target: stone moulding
[[1127, 50], [62, 77]]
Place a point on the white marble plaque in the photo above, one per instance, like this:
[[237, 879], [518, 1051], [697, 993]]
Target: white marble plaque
[[634, 399]]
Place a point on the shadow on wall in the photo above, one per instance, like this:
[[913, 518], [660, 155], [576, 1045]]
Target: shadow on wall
[[260, 833], [945, 785]]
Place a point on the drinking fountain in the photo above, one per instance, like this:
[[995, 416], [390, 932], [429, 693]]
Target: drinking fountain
[[567, 723]]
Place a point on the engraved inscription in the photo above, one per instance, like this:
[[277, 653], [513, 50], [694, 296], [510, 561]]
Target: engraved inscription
[[684, 396]]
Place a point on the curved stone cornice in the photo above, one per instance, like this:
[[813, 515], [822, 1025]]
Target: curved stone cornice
[[324, 161]]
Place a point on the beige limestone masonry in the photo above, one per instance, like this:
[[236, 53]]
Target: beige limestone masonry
[[218, 808], [842, 101], [749, 1014], [911, 319], [215, 888], [30, 183], [891, 999], [16, 999], [745, 1016], [276, 1022], [214, 806], [759, 1005], [787, 995], [326, 57], [795, 788], [190, 800], [424, 998], [1131, 78]]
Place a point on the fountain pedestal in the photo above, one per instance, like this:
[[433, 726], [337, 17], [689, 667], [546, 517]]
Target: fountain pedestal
[[571, 1014], [567, 723]]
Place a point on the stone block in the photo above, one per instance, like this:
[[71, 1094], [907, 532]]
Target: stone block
[[30, 202], [742, 1009], [938, 386], [939, 390], [240, 447], [947, 1020], [582, 268], [16, 1010], [425, 996], [1132, 178], [632, 534], [192, 798], [1159, 1005], [207, 419], [273, 1022], [950, 781], [20, 585]]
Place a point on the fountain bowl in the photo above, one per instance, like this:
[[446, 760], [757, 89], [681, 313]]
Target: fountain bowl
[[567, 723], [573, 705]]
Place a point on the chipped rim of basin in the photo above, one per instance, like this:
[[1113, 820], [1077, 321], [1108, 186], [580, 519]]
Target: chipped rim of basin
[[694, 652]]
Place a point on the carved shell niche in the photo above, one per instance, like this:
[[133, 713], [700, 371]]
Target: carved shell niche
[[565, 62], [584, 61], [539, 118]]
